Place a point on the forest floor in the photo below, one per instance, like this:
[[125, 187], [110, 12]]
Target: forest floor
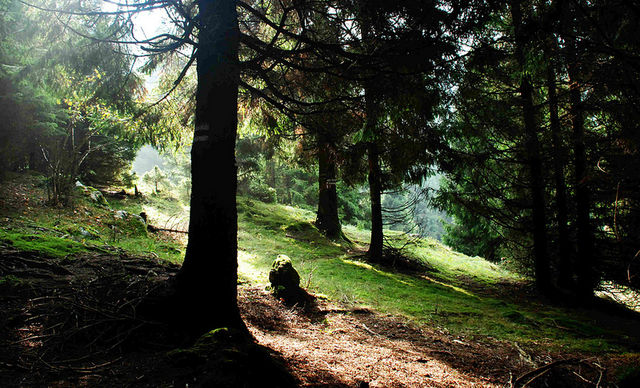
[[73, 323], [70, 311]]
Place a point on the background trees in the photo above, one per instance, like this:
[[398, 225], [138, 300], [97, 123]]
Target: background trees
[[63, 102], [549, 59]]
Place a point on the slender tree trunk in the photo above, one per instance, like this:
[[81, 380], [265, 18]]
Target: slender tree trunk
[[534, 160], [327, 220], [206, 284], [367, 20], [271, 172], [564, 246], [375, 191], [585, 260]]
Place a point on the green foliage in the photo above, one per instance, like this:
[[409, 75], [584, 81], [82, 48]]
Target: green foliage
[[9, 281], [157, 178], [64, 101]]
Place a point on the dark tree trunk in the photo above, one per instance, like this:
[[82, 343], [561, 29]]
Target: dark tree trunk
[[564, 246], [206, 284], [367, 20], [375, 191], [585, 271], [585, 260], [534, 161], [327, 220]]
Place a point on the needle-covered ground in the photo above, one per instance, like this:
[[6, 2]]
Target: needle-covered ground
[[71, 281], [73, 322]]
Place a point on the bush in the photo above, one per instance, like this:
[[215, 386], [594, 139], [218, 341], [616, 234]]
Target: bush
[[262, 192]]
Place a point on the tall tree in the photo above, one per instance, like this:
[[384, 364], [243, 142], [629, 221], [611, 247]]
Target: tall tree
[[209, 272], [585, 270], [534, 157]]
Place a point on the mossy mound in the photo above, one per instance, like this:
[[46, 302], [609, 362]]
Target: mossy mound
[[229, 358], [41, 243], [303, 230]]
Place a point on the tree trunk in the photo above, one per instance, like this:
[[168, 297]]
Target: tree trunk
[[585, 271], [327, 220], [367, 20], [534, 161], [207, 282], [585, 260], [375, 191], [564, 246]]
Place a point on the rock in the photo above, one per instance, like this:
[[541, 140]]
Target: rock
[[130, 224], [87, 234], [285, 281], [94, 194], [97, 197]]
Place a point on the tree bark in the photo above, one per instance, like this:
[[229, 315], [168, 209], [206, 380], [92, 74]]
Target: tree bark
[[375, 253], [327, 220], [207, 282], [564, 247], [534, 160], [375, 191]]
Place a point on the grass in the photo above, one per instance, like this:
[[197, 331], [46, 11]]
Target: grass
[[460, 295]]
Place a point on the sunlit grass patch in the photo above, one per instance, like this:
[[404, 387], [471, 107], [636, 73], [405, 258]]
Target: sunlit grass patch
[[42, 243]]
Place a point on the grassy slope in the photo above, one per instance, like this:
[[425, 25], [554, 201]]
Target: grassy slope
[[457, 296], [442, 298]]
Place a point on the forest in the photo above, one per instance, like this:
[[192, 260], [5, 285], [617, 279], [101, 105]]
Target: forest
[[337, 193]]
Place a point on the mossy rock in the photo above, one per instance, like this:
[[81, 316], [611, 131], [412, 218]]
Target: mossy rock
[[283, 277], [83, 232], [130, 224], [285, 282], [92, 193]]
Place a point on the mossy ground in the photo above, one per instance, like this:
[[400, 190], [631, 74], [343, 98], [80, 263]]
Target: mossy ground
[[31, 225]]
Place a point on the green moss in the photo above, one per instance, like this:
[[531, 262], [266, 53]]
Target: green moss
[[42, 243], [222, 343], [130, 225]]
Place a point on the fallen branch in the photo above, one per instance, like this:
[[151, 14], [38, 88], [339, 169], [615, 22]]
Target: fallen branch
[[154, 229], [531, 376]]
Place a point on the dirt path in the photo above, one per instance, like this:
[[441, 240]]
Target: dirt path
[[333, 346]]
